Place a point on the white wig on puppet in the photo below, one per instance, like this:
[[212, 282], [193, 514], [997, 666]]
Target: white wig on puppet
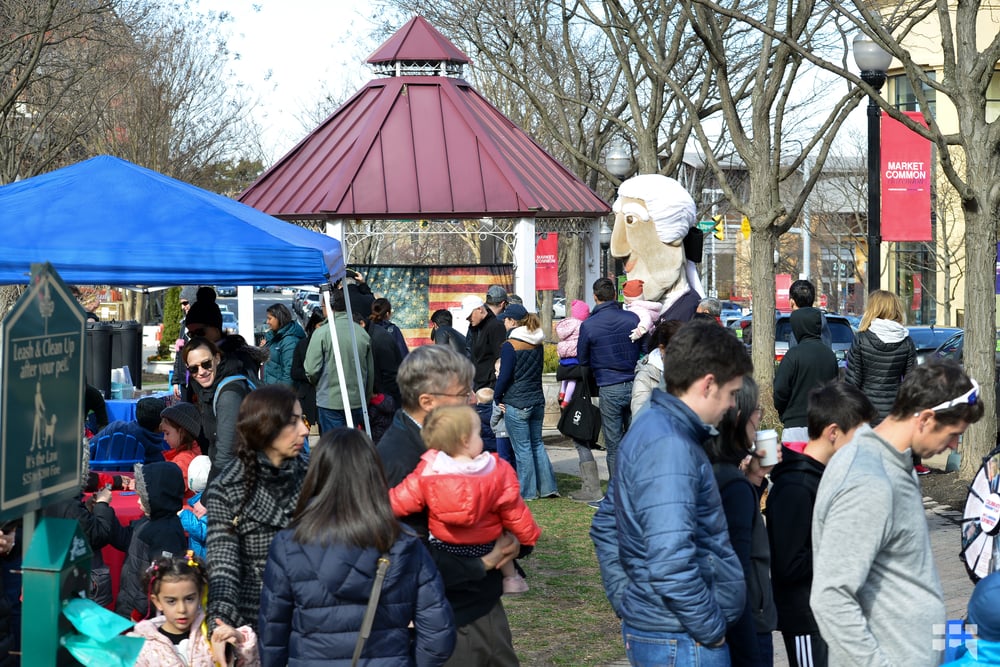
[[670, 206]]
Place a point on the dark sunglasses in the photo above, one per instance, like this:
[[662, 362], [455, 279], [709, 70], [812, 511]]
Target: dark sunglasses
[[205, 365], [184, 303], [200, 333]]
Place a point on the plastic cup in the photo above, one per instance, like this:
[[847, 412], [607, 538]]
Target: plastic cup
[[767, 442]]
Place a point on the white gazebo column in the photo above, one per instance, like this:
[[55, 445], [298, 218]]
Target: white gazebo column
[[524, 262], [592, 260], [335, 229]]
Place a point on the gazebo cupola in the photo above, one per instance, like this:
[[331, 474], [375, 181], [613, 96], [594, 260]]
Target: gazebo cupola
[[418, 49]]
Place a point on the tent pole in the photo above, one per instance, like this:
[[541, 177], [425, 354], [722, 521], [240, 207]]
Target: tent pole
[[362, 384], [341, 378]]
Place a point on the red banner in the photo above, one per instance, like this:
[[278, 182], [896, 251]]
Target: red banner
[[918, 292], [905, 182], [782, 282], [547, 262]]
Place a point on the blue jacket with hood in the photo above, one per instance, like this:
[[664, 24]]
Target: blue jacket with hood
[[661, 535], [314, 600], [604, 344]]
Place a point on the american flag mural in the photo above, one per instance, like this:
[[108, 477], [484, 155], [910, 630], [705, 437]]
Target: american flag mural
[[415, 292]]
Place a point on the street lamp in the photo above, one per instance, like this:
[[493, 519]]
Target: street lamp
[[873, 61], [605, 238], [618, 162]]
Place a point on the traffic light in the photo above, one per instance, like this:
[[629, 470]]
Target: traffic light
[[720, 227]]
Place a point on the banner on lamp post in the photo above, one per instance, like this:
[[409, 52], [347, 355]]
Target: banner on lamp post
[[905, 181], [918, 292], [547, 262], [782, 282]]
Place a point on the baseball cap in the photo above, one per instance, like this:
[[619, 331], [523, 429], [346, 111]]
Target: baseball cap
[[469, 304], [514, 311], [496, 294]]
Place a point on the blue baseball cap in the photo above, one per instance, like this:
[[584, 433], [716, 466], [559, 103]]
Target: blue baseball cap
[[513, 311]]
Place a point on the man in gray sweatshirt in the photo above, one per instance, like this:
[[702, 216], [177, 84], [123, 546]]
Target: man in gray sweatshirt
[[875, 594]]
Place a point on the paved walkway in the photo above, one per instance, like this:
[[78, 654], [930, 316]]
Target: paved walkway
[[942, 521]]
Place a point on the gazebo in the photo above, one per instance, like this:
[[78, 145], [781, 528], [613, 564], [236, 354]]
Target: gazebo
[[420, 152]]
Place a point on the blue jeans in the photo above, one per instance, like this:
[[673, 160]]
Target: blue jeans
[[667, 649], [331, 419], [506, 452], [616, 415], [534, 470]]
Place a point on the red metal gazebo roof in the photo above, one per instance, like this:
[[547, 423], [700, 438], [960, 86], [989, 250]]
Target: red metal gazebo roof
[[417, 146]]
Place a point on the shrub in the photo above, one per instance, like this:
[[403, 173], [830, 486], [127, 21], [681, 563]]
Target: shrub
[[551, 358], [172, 315]]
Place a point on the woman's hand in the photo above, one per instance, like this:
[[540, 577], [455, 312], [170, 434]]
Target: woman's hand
[[504, 551], [222, 636], [104, 495]]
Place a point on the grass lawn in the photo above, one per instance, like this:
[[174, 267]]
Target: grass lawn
[[564, 619]]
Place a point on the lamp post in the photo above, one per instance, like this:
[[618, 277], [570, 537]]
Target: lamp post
[[618, 162], [605, 238], [873, 61]]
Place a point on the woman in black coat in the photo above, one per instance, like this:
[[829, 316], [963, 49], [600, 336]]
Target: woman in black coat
[[321, 570], [881, 356]]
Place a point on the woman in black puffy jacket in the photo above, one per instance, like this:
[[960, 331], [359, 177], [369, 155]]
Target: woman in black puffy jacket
[[882, 354], [320, 571]]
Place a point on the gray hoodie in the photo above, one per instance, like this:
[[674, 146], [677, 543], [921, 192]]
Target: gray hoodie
[[875, 594]]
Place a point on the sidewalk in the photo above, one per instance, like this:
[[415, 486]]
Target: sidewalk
[[942, 522]]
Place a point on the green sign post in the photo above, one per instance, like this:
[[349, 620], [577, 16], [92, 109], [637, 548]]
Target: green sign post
[[41, 396]]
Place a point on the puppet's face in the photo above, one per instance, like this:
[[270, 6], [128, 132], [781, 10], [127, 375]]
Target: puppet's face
[[659, 265]]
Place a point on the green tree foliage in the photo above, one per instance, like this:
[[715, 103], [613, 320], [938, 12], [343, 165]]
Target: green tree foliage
[[172, 315]]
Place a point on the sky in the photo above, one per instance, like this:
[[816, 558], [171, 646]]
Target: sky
[[286, 54]]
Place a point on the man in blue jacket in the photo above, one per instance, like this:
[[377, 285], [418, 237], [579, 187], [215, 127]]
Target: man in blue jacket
[[607, 348], [669, 570]]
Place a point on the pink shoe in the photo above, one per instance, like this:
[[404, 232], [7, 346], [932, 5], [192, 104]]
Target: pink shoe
[[514, 584]]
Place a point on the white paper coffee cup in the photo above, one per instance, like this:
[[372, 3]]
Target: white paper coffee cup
[[767, 442]]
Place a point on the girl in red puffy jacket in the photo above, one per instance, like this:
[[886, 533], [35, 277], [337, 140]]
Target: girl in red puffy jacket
[[471, 496]]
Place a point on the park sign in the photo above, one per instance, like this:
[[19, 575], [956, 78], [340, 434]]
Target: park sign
[[41, 396]]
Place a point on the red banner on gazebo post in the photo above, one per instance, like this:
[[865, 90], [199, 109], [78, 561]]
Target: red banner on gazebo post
[[547, 262], [905, 181]]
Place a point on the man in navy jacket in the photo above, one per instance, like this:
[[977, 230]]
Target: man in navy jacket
[[605, 346], [660, 534]]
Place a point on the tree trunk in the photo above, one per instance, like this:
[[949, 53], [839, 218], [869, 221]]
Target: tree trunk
[[762, 245], [980, 320]]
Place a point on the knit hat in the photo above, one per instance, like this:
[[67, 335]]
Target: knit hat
[[632, 289], [579, 309], [189, 293], [984, 611], [147, 412], [198, 471], [496, 295], [204, 310], [185, 415]]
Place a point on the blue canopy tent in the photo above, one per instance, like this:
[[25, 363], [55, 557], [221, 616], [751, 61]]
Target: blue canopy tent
[[105, 221]]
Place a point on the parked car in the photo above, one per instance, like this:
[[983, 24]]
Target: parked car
[[225, 290], [929, 338], [307, 303], [841, 333], [954, 347], [229, 323]]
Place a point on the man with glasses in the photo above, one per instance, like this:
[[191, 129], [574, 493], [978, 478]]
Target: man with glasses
[[875, 594], [432, 376]]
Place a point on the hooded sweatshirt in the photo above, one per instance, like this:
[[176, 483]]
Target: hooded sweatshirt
[[878, 360], [807, 365], [794, 484], [161, 491]]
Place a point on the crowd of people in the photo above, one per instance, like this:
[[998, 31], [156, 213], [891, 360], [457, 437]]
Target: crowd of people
[[410, 515]]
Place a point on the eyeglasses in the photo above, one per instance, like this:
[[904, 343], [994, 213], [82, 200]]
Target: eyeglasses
[[185, 303], [968, 398], [295, 419], [467, 394], [204, 365]]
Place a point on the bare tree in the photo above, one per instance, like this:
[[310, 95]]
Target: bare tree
[[968, 63]]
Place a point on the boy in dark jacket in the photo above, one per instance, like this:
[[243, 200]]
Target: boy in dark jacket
[[159, 533], [835, 412], [805, 366]]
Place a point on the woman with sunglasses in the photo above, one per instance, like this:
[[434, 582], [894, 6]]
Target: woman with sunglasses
[[251, 500], [219, 385]]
